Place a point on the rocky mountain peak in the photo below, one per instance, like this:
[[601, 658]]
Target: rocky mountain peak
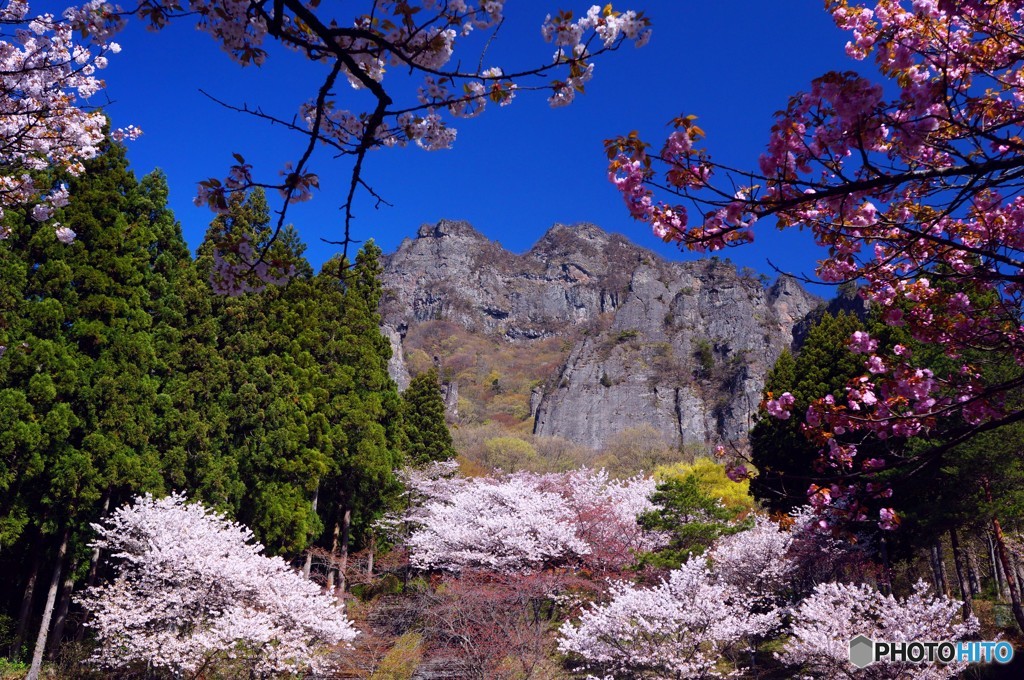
[[454, 229], [683, 347]]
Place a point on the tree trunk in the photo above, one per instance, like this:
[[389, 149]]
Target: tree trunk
[[972, 572], [961, 582], [1011, 582], [997, 570], [51, 598], [1017, 571], [308, 564], [939, 569], [332, 569], [886, 569], [369, 560], [346, 527], [25, 613], [94, 561], [60, 618]]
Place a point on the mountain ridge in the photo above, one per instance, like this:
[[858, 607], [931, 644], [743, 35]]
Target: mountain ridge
[[680, 346]]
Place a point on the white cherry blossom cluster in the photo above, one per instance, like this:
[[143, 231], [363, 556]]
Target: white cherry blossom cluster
[[683, 627], [605, 512], [680, 628], [505, 524], [606, 23], [233, 25], [526, 521], [826, 621], [44, 77], [756, 561], [192, 587]]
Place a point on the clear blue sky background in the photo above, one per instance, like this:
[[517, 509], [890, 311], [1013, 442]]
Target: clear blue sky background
[[514, 171]]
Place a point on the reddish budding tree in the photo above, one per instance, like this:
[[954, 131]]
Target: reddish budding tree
[[496, 625], [912, 184]]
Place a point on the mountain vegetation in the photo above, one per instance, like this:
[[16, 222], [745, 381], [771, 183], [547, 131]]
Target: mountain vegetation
[[158, 435], [207, 469]]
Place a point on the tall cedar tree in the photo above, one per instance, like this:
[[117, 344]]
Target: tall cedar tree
[[190, 417], [781, 453], [78, 384], [429, 437], [268, 459], [367, 436]]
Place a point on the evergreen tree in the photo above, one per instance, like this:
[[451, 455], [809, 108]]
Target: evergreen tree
[[692, 518], [425, 426], [783, 456], [80, 382], [269, 459], [365, 431]]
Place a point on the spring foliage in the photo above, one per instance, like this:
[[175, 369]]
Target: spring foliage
[[695, 622]]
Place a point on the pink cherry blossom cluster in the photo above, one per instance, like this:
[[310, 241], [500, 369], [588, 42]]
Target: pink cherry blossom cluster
[[911, 185], [605, 512], [192, 586], [45, 75], [779, 408], [239, 269], [526, 521]]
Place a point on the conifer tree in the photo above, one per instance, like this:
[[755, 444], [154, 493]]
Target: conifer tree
[[425, 426], [364, 413], [79, 382], [781, 453], [269, 459], [692, 519]]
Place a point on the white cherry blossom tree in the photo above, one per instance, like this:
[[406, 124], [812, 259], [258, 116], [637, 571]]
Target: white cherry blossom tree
[[526, 521], [192, 588], [826, 621], [504, 524], [756, 561], [681, 628]]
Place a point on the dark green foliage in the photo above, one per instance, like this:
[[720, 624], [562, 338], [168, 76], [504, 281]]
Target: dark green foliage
[[80, 383], [264, 458], [692, 518], [80, 372], [781, 453], [123, 373], [364, 435], [425, 426]]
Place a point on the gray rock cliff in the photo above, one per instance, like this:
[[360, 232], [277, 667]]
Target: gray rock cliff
[[683, 347]]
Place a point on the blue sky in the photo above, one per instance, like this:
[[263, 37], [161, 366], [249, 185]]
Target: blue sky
[[514, 171]]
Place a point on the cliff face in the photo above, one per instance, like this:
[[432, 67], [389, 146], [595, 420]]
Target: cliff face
[[452, 272], [680, 346]]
